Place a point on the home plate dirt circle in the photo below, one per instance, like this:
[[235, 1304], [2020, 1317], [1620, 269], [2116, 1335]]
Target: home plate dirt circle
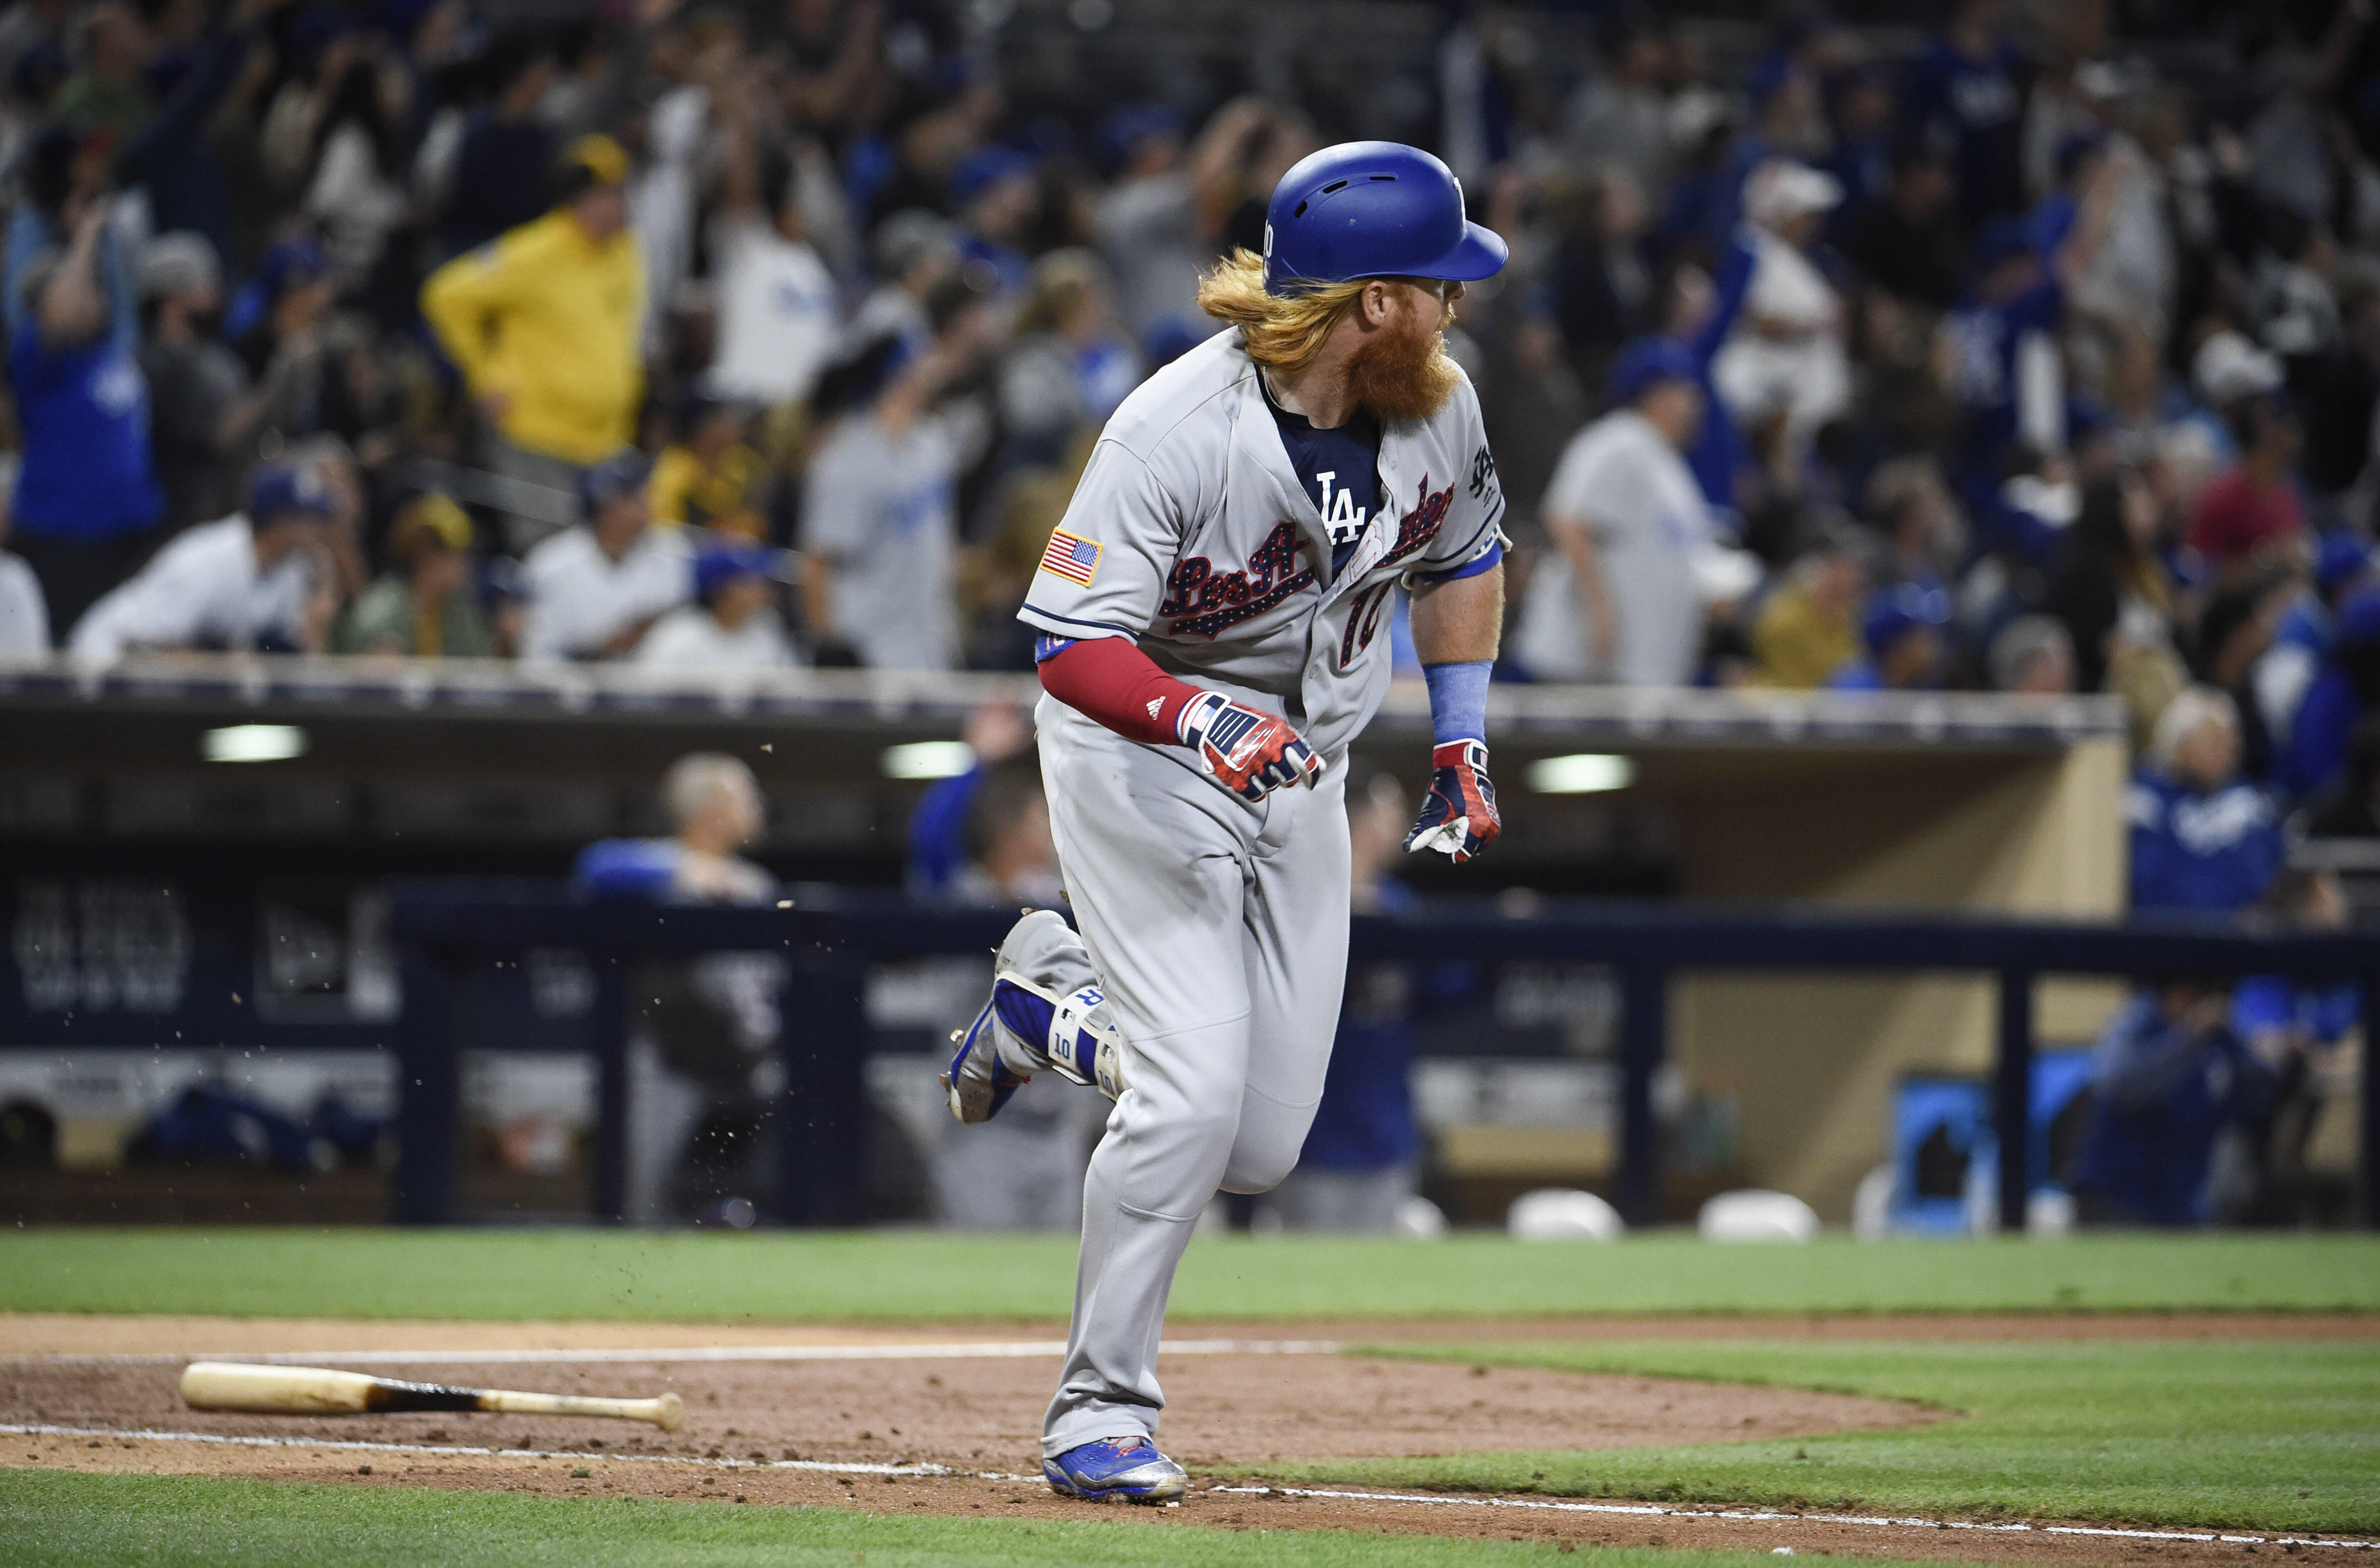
[[1225, 1410], [895, 1421]]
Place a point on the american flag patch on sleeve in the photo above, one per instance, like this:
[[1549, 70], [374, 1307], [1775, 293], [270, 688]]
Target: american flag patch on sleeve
[[1076, 560]]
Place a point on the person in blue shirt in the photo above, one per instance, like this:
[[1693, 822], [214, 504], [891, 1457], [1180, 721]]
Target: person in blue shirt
[[87, 500], [1964, 94], [982, 836], [2346, 688], [1719, 452], [1905, 631], [2202, 837], [2018, 297], [994, 193], [2169, 1078], [2343, 562]]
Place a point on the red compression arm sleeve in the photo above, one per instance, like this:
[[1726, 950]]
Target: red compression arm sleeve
[[1108, 679]]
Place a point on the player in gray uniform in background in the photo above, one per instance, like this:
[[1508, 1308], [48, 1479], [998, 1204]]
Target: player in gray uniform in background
[[1214, 612]]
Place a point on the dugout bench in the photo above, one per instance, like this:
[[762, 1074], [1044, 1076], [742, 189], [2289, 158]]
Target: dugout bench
[[442, 925]]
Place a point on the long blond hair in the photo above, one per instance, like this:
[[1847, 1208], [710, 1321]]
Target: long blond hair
[[1282, 332]]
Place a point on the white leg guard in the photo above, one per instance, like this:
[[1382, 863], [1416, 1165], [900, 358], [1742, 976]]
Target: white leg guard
[[1043, 956]]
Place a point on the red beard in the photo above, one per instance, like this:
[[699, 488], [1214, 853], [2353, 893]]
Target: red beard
[[1403, 374]]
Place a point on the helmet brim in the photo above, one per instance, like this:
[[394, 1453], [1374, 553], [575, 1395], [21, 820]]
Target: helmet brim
[[1481, 252]]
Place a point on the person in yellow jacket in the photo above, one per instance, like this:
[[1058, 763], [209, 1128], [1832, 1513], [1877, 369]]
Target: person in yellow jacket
[[545, 324]]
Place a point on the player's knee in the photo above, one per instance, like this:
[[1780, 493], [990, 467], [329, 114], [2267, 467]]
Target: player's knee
[[1253, 1170]]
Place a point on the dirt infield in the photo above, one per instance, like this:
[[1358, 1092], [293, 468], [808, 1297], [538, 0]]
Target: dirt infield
[[826, 1431]]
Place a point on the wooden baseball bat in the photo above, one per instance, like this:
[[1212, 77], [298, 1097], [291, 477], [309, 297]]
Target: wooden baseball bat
[[316, 1391]]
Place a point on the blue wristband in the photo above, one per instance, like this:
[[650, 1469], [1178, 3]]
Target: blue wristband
[[1458, 700]]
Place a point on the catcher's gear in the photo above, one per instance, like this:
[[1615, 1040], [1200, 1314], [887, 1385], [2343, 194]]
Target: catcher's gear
[[1247, 752], [1458, 816], [1047, 1013]]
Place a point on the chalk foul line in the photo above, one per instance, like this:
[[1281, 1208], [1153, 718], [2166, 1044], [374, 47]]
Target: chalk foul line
[[958, 1350], [1872, 1521], [1426, 1500]]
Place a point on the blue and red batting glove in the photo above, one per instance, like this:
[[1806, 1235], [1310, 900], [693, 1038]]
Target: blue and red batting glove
[[1249, 753], [1458, 816]]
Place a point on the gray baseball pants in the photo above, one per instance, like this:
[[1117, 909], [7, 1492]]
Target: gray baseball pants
[[1219, 931]]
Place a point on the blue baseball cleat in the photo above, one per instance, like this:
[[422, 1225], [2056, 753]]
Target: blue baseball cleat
[[979, 1082], [1129, 1467]]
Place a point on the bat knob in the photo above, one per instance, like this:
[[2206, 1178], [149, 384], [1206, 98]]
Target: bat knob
[[670, 1411]]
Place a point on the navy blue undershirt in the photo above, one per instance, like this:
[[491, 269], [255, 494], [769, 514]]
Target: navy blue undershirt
[[1341, 472]]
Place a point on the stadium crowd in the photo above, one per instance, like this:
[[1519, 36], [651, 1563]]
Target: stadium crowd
[[762, 334]]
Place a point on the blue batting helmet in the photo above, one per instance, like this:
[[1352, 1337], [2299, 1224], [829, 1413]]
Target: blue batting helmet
[[1373, 209]]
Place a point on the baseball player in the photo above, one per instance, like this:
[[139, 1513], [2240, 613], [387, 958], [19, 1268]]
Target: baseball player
[[1213, 616]]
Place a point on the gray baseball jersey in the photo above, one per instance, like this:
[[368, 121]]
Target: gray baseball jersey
[[1191, 534], [1218, 929]]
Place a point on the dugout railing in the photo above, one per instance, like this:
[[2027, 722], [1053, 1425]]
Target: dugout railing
[[444, 926]]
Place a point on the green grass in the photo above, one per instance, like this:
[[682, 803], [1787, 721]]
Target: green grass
[[920, 1277], [2261, 1435], [99, 1521]]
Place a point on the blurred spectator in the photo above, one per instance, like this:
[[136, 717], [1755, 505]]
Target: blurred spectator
[[546, 326], [1616, 599], [2032, 654], [994, 193], [2170, 1076], [2299, 1032], [701, 1051], [1785, 361], [733, 622], [778, 310], [2254, 508], [24, 618], [1924, 537], [1903, 634], [174, 159], [260, 579], [2202, 837], [708, 477], [1620, 115], [205, 418], [1153, 224], [1605, 292], [2342, 692], [1910, 244], [982, 836], [880, 511], [1809, 628], [1066, 368], [85, 499], [2108, 586], [355, 179], [505, 159], [193, 380], [2235, 630], [595, 590], [1961, 96], [277, 326], [917, 254], [2343, 562], [429, 605]]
